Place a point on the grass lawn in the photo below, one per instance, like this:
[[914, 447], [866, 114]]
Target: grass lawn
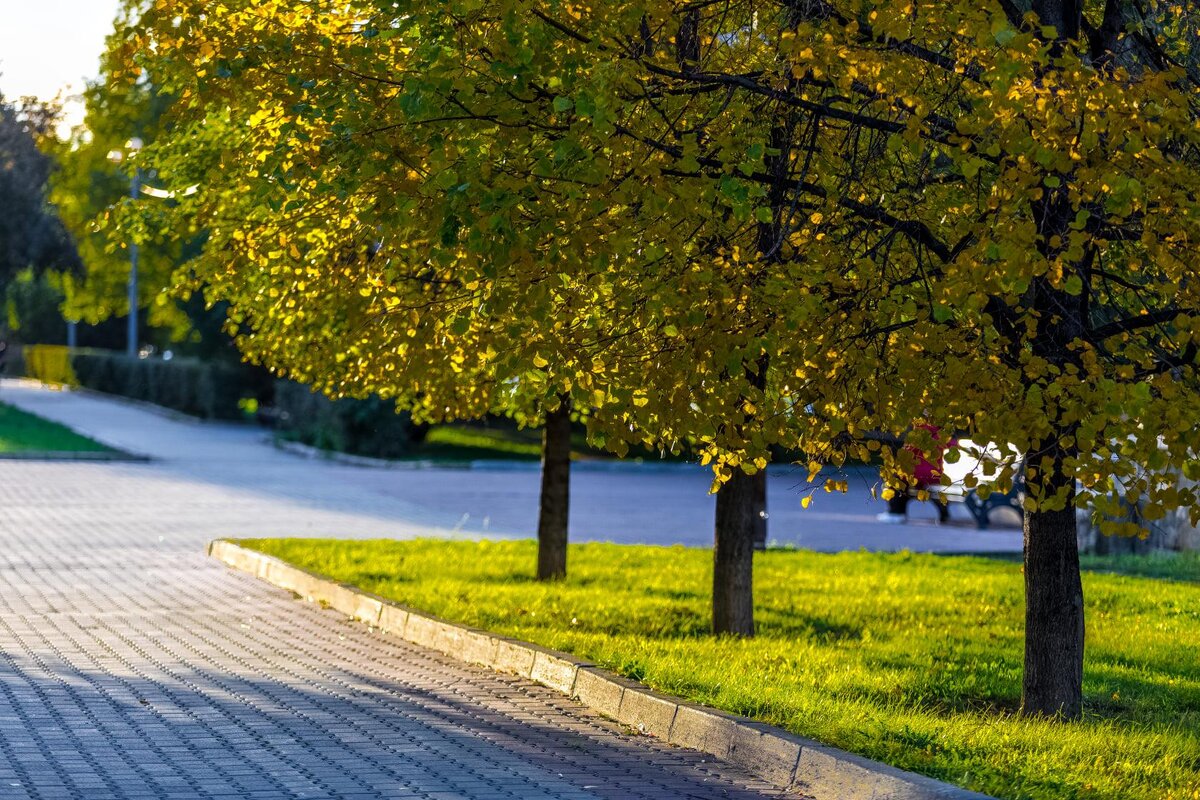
[[1168, 566], [473, 441], [25, 433], [910, 659]]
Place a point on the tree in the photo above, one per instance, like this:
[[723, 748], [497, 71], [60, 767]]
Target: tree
[[346, 277], [755, 223], [1054, 308], [984, 205], [346, 79], [31, 236], [89, 184]]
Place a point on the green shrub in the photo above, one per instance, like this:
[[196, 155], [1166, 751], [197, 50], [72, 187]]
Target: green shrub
[[369, 427], [12, 361]]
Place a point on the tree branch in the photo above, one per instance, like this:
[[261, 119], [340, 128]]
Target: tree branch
[[1130, 324]]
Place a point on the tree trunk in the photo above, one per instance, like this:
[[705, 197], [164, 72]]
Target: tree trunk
[[1053, 680], [733, 555], [554, 506], [1053, 683], [760, 509]]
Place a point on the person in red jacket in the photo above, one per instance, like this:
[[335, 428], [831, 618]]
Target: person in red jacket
[[927, 474]]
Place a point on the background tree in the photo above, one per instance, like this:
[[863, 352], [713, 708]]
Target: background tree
[[87, 186], [33, 241]]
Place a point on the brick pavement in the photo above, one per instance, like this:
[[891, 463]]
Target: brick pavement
[[131, 666]]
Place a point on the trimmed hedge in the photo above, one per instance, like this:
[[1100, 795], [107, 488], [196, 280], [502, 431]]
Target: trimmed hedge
[[202, 389], [369, 427]]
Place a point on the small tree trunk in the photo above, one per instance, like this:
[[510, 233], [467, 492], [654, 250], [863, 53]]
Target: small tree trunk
[[760, 509], [554, 506], [1053, 683], [733, 555]]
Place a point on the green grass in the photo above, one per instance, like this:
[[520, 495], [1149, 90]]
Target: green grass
[[21, 432], [473, 442], [914, 660], [1168, 566]]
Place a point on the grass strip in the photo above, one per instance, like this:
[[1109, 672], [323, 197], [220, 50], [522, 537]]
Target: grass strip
[[22, 432]]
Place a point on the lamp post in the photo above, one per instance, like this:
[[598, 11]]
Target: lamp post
[[135, 189]]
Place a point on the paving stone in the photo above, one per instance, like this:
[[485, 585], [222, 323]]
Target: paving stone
[[134, 666]]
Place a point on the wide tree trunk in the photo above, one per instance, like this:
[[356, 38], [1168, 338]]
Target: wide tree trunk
[[733, 554], [554, 506], [1053, 682]]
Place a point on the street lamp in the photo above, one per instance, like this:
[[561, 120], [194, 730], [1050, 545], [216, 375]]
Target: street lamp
[[135, 187]]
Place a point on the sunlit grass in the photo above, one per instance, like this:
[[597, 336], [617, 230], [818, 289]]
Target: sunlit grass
[[21, 432], [473, 442], [911, 659]]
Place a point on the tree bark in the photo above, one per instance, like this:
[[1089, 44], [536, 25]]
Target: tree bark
[[760, 509], [1053, 681], [1063, 15], [554, 506], [1054, 627], [733, 555]]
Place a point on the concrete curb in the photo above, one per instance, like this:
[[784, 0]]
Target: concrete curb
[[71, 455], [818, 771]]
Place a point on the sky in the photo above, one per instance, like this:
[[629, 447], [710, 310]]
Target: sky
[[51, 45]]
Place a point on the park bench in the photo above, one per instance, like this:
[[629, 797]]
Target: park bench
[[975, 459]]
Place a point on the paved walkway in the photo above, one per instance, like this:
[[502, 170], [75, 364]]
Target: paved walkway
[[240, 472], [132, 666]]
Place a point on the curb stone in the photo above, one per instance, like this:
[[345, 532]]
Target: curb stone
[[73, 455], [793, 762]]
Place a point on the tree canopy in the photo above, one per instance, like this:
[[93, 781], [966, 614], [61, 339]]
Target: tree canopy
[[572, 163]]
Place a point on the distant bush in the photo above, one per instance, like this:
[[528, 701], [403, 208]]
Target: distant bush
[[369, 427], [211, 390]]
